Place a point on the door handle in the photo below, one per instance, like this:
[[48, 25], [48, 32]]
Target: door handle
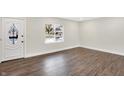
[[22, 35], [22, 41]]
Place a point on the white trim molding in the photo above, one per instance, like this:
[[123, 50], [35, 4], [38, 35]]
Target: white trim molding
[[102, 50], [52, 51]]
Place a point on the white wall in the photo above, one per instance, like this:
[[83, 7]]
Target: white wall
[[36, 35], [0, 38], [106, 34]]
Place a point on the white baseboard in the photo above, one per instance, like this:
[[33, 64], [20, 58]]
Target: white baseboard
[[103, 50], [57, 50], [52, 51]]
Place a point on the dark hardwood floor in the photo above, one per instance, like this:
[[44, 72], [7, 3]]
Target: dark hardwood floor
[[72, 62]]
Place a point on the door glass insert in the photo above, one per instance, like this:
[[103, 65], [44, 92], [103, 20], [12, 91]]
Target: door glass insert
[[13, 34]]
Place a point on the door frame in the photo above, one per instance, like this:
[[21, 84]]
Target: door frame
[[24, 32]]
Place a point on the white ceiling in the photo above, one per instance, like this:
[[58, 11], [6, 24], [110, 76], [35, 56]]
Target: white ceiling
[[79, 19]]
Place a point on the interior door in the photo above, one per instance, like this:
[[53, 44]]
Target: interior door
[[13, 32]]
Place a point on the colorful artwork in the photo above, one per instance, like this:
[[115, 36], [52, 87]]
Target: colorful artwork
[[13, 34]]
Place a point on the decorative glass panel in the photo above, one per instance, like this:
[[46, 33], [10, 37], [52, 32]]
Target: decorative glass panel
[[13, 34]]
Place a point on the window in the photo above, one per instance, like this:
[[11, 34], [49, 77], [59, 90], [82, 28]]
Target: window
[[54, 33]]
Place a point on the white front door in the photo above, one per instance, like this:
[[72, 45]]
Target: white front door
[[13, 39]]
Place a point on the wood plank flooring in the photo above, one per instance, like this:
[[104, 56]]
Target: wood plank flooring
[[72, 62]]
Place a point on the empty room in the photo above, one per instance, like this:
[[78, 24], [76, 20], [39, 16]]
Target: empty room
[[62, 46]]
